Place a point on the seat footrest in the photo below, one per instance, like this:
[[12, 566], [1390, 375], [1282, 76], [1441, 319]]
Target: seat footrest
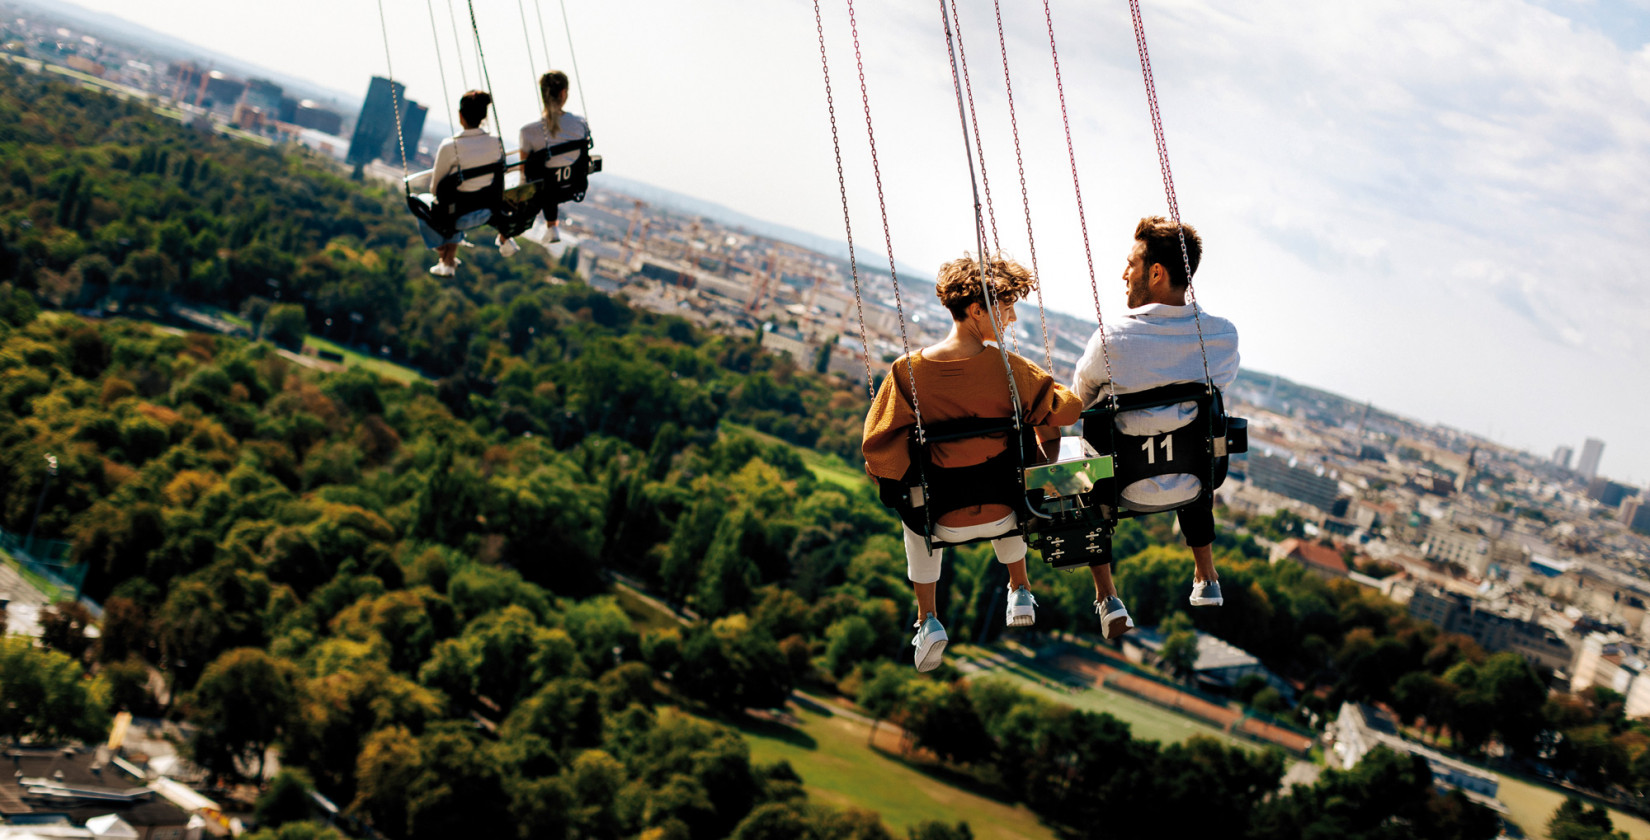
[[1074, 547]]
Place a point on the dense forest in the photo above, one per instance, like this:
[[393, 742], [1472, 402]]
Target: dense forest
[[413, 584]]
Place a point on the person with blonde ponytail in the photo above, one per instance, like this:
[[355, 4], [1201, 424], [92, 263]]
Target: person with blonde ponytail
[[555, 127]]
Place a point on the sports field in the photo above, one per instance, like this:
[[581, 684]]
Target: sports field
[[838, 769], [1146, 721], [1531, 805]]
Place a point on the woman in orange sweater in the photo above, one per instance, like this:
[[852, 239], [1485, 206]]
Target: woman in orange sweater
[[964, 376]]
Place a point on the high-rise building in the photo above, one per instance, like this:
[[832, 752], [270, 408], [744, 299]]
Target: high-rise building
[[1562, 456], [1591, 451], [412, 125], [376, 125]]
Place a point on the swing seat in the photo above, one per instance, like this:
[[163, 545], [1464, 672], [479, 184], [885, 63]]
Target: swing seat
[[1077, 531], [449, 203], [562, 184], [997, 480]]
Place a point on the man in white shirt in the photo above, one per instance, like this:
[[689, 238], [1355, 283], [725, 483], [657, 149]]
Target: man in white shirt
[[1157, 343]]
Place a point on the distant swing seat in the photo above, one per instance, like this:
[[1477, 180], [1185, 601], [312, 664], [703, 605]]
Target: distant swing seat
[[1076, 530]]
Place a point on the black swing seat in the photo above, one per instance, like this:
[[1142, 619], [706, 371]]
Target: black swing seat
[[1077, 532], [450, 203], [928, 491], [562, 184]]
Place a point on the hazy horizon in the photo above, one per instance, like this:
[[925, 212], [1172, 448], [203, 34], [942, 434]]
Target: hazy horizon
[[1430, 208]]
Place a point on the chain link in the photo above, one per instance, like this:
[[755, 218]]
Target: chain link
[[842, 188], [887, 235], [1071, 151], [395, 100], [1168, 178], [1025, 199]]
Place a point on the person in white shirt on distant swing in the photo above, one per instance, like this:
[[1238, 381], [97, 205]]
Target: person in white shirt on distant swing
[[1158, 344]]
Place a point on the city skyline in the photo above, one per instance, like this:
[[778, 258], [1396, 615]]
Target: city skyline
[[1438, 220]]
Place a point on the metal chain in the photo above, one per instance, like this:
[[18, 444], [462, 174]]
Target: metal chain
[[1071, 151], [842, 188], [998, 322], [395, 101], [1168, 179], [1019, 161], [887, 236]]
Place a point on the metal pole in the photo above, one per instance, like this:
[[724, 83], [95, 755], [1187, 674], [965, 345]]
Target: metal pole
[[51, 473]]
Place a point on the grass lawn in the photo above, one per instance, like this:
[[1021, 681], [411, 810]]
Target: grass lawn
[[388, 370], [643, 614], [1532, 804], [1146, 721], [840, 770], [830, 469], [51, 590]]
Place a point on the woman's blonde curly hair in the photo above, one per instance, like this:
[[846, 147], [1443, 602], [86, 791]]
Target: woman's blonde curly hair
[[958, 284]]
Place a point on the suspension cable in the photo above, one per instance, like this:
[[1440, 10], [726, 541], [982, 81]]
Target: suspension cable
[[395, 100], [842, 188], [974, 117], [1168, 178], [544, 41], [458, 49], [486, 77], [887, 235], [1082, 221], [1025, 199], [574, 57], [435, 35], [997, 323], [979, 147], [527, 38]]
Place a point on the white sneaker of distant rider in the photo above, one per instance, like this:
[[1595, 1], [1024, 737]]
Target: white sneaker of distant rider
[[507, 247]]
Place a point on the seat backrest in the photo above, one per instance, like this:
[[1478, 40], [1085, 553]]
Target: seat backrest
[[563, 183], [1188, 450], [997, 480]]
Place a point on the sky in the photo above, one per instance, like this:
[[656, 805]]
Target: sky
[[1437, 207]]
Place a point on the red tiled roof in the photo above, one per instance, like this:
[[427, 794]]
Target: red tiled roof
[[1313, 554]]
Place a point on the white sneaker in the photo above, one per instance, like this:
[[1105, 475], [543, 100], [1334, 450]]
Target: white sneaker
[[554, 235], [1022, 607], [507, 247], [1206, 593], [1114, 617], [930, 644], [442, 269]]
